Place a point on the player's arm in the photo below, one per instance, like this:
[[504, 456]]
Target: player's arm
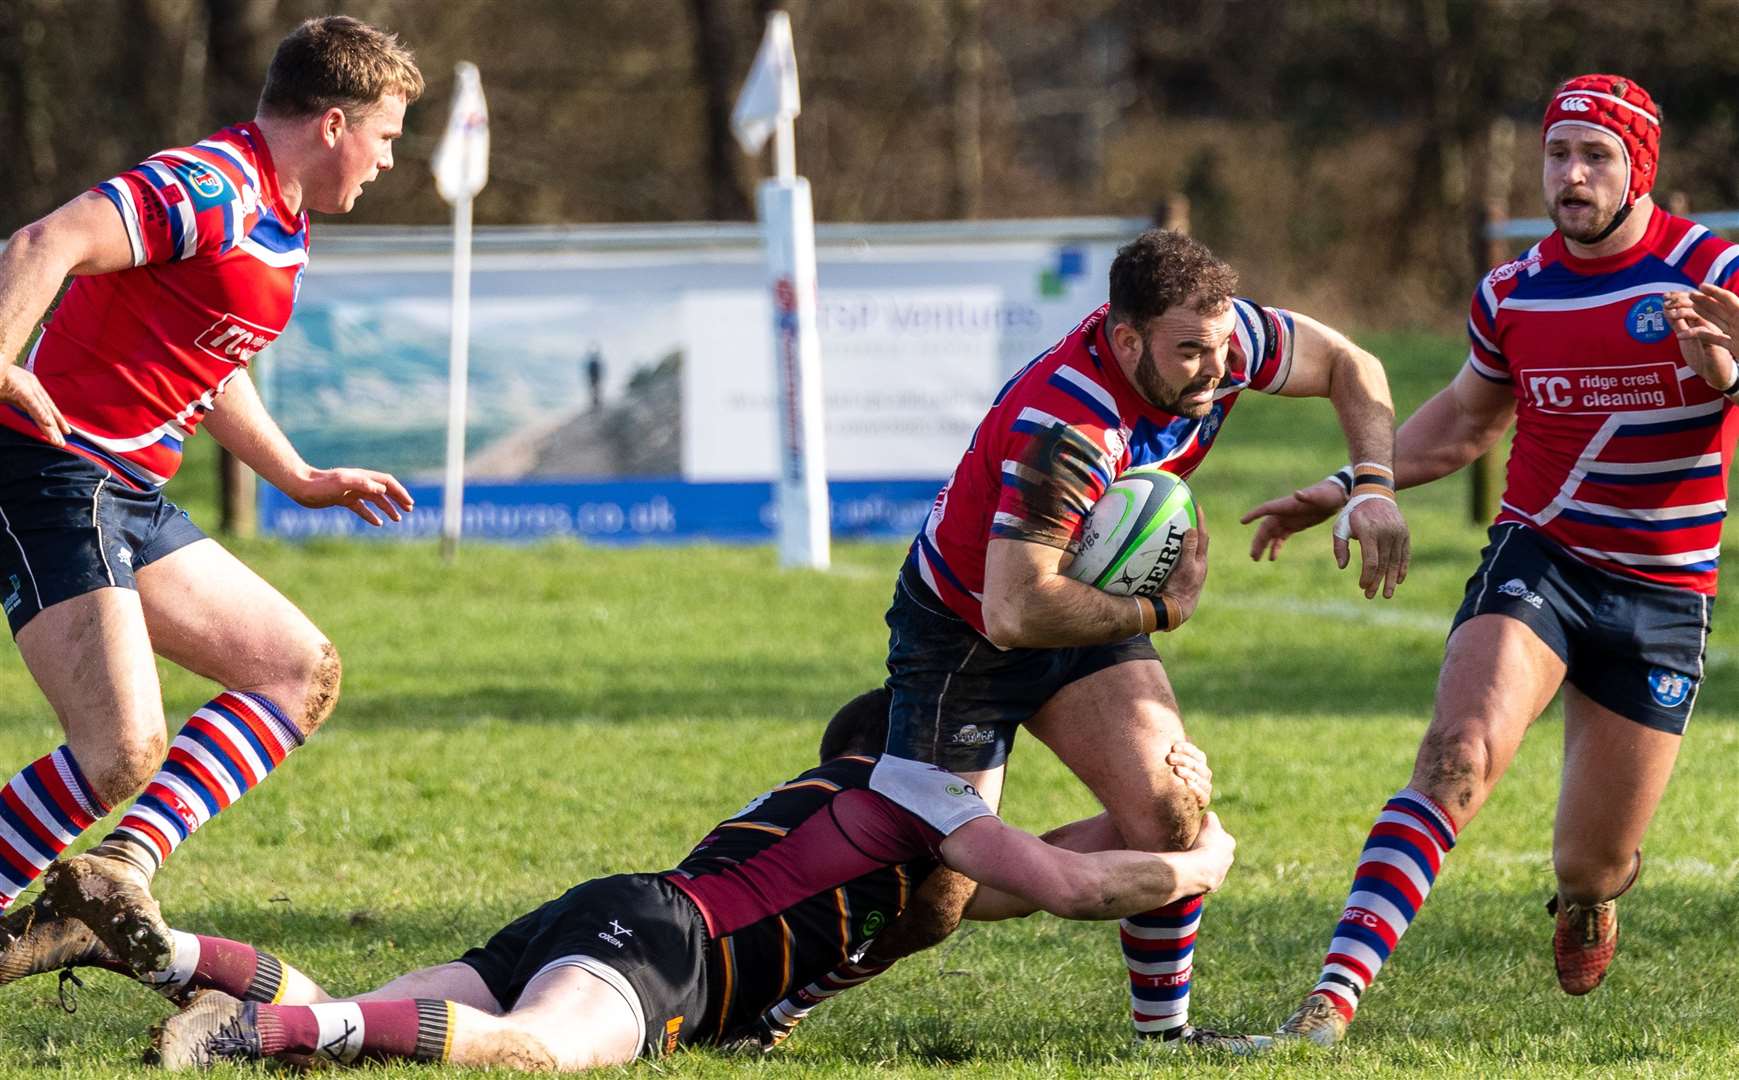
[[1096, 833], [240, 422], [1087, 885], [1028, 603], [85, 236], [1326, 363], [1457, 425]]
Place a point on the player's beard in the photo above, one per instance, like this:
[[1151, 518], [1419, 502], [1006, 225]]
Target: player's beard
[[1153, 387], [1588, 233]]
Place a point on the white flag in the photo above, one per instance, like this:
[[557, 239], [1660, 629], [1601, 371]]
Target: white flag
[[462, 160], [770, 95]]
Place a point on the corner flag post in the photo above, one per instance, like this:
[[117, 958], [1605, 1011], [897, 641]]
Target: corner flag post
[[461, 167], [768, 106]]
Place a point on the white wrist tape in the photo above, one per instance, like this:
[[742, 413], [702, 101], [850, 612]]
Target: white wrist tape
[[1343, 527]]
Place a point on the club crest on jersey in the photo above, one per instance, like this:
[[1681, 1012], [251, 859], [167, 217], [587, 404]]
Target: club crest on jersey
[[1211, 424], [234, 340], [1669, 688], [1646, 320], [207, 186]]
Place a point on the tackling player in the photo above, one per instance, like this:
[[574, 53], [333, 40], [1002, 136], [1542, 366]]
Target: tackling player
[[184, 268], [799, 880], [1600, 573], [987, 634]]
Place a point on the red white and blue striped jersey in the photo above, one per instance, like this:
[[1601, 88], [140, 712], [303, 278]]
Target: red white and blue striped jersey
[[1056, 436], [1621, 450], [134, 359]]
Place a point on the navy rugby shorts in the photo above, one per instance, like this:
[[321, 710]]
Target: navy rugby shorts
[[958, 700], [637, 932], [1633, 646], [69, 527]]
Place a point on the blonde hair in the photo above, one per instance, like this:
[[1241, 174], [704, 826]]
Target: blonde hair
[[338, 61]]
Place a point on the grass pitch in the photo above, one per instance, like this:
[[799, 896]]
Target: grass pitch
[[537, 716]]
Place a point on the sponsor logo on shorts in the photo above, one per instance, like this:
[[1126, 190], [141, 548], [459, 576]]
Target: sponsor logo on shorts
[[973, 735], [615, 934], [1647, 320], [1669, 688], [1518, 588], [873, 923], [16, 596]]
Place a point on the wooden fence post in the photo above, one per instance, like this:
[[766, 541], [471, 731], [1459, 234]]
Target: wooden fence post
[[235, 483]]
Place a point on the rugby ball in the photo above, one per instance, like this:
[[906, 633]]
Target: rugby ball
[[1133, 536]]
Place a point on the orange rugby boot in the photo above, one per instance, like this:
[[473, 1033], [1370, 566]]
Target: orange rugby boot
[[1586, 937]]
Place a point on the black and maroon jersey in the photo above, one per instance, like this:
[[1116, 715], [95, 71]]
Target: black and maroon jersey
[[802, 878]]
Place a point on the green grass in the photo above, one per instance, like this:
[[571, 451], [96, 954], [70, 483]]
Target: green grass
[[536, 716]]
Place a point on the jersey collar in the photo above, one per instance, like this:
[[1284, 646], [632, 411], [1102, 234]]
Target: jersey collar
[[270, 195], [1554, 248]]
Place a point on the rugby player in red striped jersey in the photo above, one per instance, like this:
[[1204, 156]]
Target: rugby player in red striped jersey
[[776, 897], [1601, 566], [987, 632], [183, 268]]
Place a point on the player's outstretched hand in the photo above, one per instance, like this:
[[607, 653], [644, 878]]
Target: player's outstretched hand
[[22, 389], [358, 490], [1279, 518], [1216, 846], [1705, 323], [1190, 765], [1385, 547], [1184, 585]]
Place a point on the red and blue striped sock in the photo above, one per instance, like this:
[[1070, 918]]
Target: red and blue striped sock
[[1394, 875], [232, 743], [1160, 947], [42, 811]]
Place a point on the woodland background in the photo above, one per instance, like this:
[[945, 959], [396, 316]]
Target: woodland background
[[1339, 152]]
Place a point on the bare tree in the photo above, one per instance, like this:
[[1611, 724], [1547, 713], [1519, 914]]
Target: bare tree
[[714, 63]]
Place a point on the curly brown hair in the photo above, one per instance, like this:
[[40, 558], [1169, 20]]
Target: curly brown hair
[[1160, 269], [338, 61]]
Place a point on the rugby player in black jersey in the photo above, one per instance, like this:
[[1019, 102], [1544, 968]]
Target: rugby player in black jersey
[[779, 895]]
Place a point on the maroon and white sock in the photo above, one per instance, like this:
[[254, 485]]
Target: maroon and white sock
[[348, 1031], [42, 811], [210, 963]]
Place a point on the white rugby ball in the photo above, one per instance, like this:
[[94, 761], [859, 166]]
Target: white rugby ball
[[1133, 536]]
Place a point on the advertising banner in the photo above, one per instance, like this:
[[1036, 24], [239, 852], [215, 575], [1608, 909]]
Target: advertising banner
[[620, 386]]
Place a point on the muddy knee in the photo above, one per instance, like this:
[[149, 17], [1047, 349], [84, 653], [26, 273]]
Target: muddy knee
[[118, 767], [309, 696], [1454, 769], [1170, 823]]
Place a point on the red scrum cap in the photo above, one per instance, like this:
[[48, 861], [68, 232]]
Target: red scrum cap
[[1619, 107]]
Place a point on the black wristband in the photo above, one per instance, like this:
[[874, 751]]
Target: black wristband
[[1344, 477]]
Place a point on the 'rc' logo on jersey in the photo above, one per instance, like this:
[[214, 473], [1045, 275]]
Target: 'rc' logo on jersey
[[234, 340], [1646, 321]]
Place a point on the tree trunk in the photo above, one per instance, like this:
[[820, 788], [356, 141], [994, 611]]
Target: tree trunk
[[966, 98], [713, 59]]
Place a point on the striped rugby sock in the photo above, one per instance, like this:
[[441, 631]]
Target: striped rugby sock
[[1159, 947], [42, 811], [232, 743], [211, 963], [1394, 875], [783, 1018], [347, 1031]]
